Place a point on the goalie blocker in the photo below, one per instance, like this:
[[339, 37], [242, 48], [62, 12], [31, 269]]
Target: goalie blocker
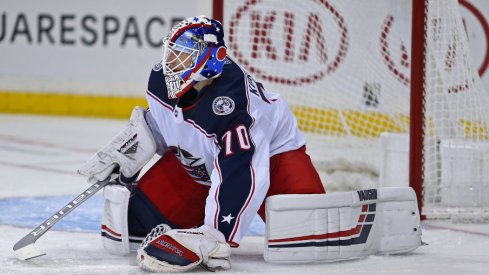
[[341, 226]]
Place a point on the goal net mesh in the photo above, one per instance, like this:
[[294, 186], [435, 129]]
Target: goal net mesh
[[456, 148], [344, 67]]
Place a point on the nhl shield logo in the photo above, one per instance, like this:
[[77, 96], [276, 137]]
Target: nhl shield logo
[[223, 105], [157, 67]]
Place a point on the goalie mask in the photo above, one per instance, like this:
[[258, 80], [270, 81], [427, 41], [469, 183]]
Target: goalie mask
[[193, 51]]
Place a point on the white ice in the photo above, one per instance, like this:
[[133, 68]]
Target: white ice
[[39, 157]]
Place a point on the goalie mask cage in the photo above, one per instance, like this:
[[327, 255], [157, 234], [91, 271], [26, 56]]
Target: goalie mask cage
[[354, 71]]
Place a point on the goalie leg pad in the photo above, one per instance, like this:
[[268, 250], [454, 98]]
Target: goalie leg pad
[[115, 236], [341, 226]]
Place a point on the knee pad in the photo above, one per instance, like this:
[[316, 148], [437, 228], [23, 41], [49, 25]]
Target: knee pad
[[115, 235]]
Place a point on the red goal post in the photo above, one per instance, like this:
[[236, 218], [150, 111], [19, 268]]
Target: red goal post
[[385, 91], [417, 103]]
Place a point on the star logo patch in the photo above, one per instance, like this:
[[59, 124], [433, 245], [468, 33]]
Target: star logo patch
[[227, 218]]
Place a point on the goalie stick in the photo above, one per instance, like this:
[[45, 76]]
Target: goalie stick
[[25, 249]]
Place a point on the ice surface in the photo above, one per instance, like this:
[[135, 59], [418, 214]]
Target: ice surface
[[448, 252], [38, 157]]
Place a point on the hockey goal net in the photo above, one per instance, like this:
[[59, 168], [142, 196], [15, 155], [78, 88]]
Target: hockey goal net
[[366, 87]]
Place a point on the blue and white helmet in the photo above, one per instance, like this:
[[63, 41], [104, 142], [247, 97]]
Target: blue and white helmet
[[193, 51]]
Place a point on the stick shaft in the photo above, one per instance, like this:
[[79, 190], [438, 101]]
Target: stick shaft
[[47, 224]]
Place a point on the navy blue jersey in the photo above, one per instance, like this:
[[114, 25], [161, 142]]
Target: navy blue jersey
[[225, 140]]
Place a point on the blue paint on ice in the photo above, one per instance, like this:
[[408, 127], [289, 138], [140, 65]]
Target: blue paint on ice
[[32, 211]]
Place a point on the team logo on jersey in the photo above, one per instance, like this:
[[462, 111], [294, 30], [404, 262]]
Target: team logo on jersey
[[194, 166], [223, 105], [157, 67]]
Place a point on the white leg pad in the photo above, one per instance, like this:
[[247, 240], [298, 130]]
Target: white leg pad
[[115, 235], [342, 225]]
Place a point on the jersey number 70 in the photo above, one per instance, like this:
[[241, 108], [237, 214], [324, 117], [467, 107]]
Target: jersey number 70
[[243, 140]]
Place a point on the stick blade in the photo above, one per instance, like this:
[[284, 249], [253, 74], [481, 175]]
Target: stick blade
[[28, 252]]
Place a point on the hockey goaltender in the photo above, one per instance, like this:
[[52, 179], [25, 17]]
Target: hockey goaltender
[[230, 149]]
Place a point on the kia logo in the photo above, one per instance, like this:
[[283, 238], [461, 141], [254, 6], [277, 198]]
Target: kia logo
[[315, 38]]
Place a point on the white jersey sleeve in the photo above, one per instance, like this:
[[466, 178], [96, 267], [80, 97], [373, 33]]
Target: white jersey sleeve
[[159, 139]]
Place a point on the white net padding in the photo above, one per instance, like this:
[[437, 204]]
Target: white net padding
[[344, 67]]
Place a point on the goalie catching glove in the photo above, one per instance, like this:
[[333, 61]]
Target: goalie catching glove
[[178, 250], [129, 151]]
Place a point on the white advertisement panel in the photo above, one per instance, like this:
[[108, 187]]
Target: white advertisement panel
[[108, 47], [92, 47]]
